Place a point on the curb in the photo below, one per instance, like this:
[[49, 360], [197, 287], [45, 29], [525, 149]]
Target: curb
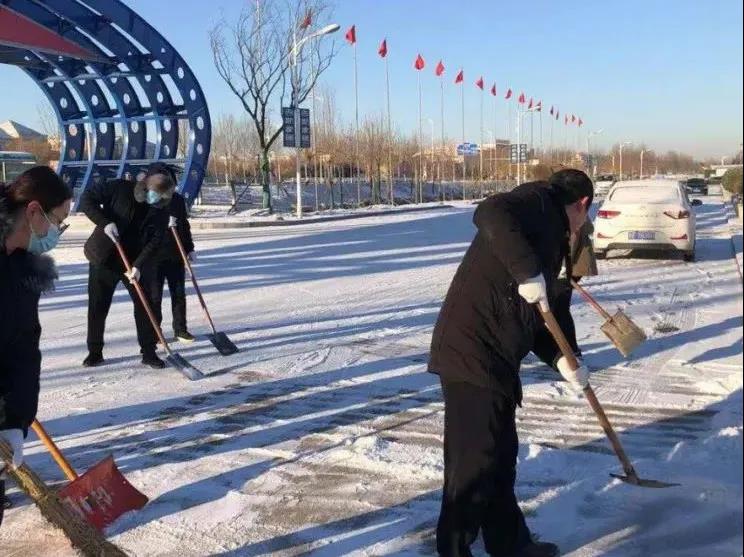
[[197, 223]]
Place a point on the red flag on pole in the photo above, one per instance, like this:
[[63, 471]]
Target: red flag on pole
[[493, 90], [308, 21], [419, 64], [382, 51], [539, 106], [552, 111], [351, 35], [479, 83], [522, 99], [508, 94], [565, 120], [439, 70], [557, 113], [460, 77], [573, 118], [529, 106], [581, 122]]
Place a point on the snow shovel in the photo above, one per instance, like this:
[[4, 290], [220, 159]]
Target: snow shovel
[[81, 534], [220, 340], [630, 476], [100, 495], [174, 358], [624, 334]]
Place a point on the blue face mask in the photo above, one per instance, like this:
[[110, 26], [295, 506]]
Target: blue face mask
[[42, 244], [153, 197]]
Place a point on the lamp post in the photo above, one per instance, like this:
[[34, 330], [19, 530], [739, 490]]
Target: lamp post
[[623, 144], [589, 149], [643, 152], [431, 125], [295, 100], [521, 115]]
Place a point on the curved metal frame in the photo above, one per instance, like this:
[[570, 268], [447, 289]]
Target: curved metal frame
[[143, 93]]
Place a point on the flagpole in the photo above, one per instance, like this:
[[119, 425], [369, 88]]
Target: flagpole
[[565, 139], [509, 134], [552, 123], [356, 134], [480, 162], [462, 96], [541, 133], [421, 144], [441, 181], [519, 150], [495, 122], [390, 135]]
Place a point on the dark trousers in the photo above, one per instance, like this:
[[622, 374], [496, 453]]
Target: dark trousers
[[102, 283], [175, 273], [480, 458]]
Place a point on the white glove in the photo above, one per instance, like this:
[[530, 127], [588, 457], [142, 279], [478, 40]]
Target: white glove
[[578, 378], [534, 291], [14, 438], [112, 231], [192, 257], [133, 275], [172, 222]]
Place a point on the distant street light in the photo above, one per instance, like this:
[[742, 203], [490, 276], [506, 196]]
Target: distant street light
[[644, 151], [623, 144]]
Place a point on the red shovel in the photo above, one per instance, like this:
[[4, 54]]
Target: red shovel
[[100, 495]]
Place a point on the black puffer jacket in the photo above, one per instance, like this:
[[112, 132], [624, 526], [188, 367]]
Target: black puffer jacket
[[485, 328], [23, 278], [141, 226], [168, 250]]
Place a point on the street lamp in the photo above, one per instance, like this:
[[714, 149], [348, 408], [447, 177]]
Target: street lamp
[[521, 115], [588, 147], [623, 144], [328, 29], [643, 152]]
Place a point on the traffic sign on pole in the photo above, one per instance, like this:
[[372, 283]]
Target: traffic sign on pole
[[518, 153], [294, 137]]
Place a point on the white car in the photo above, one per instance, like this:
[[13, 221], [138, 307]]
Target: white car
[[602, 184], [652, 215]]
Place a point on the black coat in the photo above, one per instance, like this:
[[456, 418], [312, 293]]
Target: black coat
[[168, 250], [141, 226], [485, 328], [23, 278]]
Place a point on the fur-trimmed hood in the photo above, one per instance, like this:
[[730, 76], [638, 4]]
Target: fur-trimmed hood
[[37, 272]]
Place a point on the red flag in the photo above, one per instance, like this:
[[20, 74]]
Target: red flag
[[439, 69], [522, 99], [351, 35], [552, 111], [508, 94], [382, 51], [308, 21], [529, 106], [539, 106], [493, 90], [479, 83], [565, 120], [419, 64], [460, 77], [557, 113], [573, 118], [581, 122]]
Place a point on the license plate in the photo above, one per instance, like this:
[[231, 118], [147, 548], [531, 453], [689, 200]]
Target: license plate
[[642, 235]]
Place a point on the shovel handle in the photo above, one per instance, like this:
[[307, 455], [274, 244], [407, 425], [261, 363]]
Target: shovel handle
[[590, 299], [186, 262], [142, 297], [567, 352], [54, 450]]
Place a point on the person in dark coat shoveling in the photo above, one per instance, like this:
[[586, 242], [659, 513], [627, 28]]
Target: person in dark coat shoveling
[[487, 325]]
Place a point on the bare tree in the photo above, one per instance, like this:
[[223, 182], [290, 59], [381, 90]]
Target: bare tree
[[373, 143], [253, 56]]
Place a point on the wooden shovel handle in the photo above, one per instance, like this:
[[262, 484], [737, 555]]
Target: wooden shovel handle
[[54, 450], [592, 302], [567, 352], [142, 297]]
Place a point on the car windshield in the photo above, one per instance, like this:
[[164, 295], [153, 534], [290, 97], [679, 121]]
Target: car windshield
[[696, 182], [649, 194]]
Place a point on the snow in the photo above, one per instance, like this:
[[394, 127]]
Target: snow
[[322, 435]]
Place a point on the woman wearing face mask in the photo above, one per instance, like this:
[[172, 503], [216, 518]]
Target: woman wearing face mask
[[32, 214], [134, 214]]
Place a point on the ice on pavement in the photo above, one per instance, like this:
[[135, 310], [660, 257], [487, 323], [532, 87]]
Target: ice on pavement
[[323, 434]]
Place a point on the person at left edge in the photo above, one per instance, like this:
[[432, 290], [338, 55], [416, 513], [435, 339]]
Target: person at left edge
[[133, 213], [33, 209]]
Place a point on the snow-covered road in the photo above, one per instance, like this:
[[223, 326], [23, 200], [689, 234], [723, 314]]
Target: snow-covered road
[[323, 435]]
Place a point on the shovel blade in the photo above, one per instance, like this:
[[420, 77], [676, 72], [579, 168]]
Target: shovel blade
[[180, 363], [223, 344], [635, 480], [102, 495], [624, 334]]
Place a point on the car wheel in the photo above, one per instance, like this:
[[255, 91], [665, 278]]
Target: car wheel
[[689, 256]]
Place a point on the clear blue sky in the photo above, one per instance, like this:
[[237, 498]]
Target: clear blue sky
[[665, 73]]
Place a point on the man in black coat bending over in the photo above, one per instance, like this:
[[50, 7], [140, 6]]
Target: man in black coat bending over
[[487, 325], [170, 266], [134, 213]]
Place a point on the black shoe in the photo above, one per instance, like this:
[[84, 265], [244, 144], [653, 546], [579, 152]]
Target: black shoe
[[152, 360], [538, 549], [93, 359], [185, 336]]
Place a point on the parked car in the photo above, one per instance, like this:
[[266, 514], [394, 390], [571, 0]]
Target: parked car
[[697, 186], [603, 183], [653, 215]]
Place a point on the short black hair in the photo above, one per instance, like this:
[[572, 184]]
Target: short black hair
[[161, 168], [571, 185]]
